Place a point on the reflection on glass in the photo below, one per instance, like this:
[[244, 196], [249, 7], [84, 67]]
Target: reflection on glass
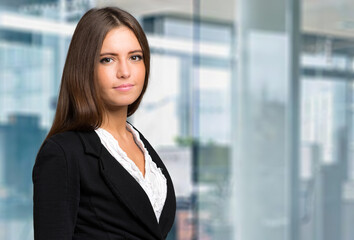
[[193, 73]]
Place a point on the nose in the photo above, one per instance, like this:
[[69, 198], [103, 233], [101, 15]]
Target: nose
[[123, 70]]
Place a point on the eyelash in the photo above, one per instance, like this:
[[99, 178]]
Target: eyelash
[[103, 60]]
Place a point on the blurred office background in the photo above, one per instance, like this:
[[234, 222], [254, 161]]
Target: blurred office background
[[250, 106]]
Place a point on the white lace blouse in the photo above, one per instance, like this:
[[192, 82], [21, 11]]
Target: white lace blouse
[[154, 183]]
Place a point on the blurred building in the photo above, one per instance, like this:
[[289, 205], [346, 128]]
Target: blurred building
[[189, 112], [20, 138]]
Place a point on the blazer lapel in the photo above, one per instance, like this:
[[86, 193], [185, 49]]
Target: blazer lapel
[[128, 190], [169, 209]]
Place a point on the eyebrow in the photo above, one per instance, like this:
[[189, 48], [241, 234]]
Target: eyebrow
[[115, 54]]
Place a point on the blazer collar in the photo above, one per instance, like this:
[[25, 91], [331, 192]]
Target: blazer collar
[[128, 190]]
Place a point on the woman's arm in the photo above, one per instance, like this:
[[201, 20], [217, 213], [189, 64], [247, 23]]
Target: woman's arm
[[56, 194]]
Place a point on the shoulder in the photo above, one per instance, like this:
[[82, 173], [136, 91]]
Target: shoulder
[[64, 142], [55, 166], [59, 154], [64, 139]]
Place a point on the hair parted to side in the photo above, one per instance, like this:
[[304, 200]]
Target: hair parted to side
[[79, 104]]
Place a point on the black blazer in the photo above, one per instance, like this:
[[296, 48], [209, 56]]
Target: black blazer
[[81, 192]]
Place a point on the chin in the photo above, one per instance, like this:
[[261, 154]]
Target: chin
[[122, 104]]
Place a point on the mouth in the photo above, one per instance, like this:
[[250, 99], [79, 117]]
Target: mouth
[[124, 87]]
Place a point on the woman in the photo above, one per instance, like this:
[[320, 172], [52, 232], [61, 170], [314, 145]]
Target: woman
[[96, 177]]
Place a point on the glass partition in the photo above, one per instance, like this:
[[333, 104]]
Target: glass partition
[[250, 106]]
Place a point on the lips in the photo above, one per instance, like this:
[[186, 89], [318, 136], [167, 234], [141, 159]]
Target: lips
[[125, 86]]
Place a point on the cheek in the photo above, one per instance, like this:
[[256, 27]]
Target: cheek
[[142, 73], [103, 77]]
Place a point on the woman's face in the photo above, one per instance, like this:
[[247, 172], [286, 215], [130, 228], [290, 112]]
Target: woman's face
[[120, 71]]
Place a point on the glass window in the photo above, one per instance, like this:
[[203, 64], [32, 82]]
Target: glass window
[[249, 105]]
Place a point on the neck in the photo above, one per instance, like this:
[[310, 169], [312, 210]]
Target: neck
[[115, 122]]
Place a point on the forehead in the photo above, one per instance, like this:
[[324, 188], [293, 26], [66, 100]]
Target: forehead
[[120, 39]]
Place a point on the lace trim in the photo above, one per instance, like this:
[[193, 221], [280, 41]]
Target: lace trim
[[154, 183]]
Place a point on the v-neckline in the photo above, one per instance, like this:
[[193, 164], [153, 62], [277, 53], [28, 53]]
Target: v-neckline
[[122, 185], [124, 155]]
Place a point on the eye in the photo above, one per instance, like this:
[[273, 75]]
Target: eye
[[106, 60], [137, 57]]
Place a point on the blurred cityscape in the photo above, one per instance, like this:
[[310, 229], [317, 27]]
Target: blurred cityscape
[[191, 101]]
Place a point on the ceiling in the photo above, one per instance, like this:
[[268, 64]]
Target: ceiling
[[329, 17]]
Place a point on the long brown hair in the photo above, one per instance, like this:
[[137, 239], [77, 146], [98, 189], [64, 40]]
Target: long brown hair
[[79, 104]]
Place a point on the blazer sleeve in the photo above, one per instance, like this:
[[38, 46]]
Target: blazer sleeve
[[55, 194]]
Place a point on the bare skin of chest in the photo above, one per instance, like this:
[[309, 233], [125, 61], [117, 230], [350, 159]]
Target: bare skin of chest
[[133, 152]]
